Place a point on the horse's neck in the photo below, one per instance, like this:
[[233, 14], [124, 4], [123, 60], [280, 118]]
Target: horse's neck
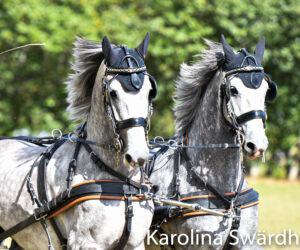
[[100, 130], [220, 167]]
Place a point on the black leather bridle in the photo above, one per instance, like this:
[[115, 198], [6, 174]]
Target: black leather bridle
[[238, 121], [118, 126]]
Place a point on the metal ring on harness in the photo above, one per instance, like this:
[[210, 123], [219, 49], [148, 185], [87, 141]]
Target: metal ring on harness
[[172, 144], [118, 144], [70, 137], [56, 135], [158, 139]]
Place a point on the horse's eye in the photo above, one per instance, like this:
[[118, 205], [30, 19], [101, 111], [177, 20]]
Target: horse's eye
[[113, 94], [233, 91]]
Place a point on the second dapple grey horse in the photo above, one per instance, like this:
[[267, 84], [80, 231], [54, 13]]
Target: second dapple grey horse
[[205, 115]]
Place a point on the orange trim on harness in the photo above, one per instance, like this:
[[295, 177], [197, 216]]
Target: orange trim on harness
[[199, 213], [92, 197], [94, 181], [209, 196]]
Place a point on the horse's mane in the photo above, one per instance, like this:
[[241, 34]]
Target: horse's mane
[[87, 59], [192, 82]]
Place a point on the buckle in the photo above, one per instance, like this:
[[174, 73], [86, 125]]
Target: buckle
[[129, 206], [129, 211], [46, 154], [39, 216], [146, 189], [94, 157]]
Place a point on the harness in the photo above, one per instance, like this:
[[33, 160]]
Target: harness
[[123, 189], [218, 203]]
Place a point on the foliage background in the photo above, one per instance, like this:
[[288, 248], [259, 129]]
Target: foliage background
[[32, 93]]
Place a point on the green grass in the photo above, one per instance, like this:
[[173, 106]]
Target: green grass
[[279, 206]]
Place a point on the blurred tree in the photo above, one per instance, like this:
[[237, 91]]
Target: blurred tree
[[32, 93]]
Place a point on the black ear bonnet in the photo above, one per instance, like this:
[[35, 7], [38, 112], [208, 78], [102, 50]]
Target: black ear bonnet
[[243, 59], [122, 57]]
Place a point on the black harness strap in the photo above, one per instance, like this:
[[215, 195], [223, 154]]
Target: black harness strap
[[132, 122], [246, 197], [73, 165], [230, 203], [42, 170], [106, 168], [99, 188], [17, 228], [128, 223], [42, 188], [176, 180], [128, 199], [251, 115], [212, 189], [236, 220], [40, 141]]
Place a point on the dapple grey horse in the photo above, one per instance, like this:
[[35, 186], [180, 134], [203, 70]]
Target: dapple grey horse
[[94, 224], [201, 120]]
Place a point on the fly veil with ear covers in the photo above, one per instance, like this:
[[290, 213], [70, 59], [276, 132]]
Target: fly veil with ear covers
[[249, 69], [128, 67]]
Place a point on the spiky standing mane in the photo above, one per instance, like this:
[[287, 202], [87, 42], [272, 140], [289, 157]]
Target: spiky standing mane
[[87, 59], [192, 81]]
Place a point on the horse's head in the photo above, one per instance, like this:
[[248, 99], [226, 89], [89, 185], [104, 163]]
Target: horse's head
[[246, 89], [128, 92]]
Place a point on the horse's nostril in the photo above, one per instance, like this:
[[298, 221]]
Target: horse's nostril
[[128, 158], [141, 161], [251, 146]]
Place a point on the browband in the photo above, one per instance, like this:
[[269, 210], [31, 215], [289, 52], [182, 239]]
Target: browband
[[126, 71], [243, 69]]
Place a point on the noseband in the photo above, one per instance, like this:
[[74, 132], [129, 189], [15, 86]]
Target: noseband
[[118, 126]]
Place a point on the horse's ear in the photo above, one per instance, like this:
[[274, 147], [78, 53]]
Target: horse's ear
[[259, 50], [106, 47], [143, 47], [228, 50]]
